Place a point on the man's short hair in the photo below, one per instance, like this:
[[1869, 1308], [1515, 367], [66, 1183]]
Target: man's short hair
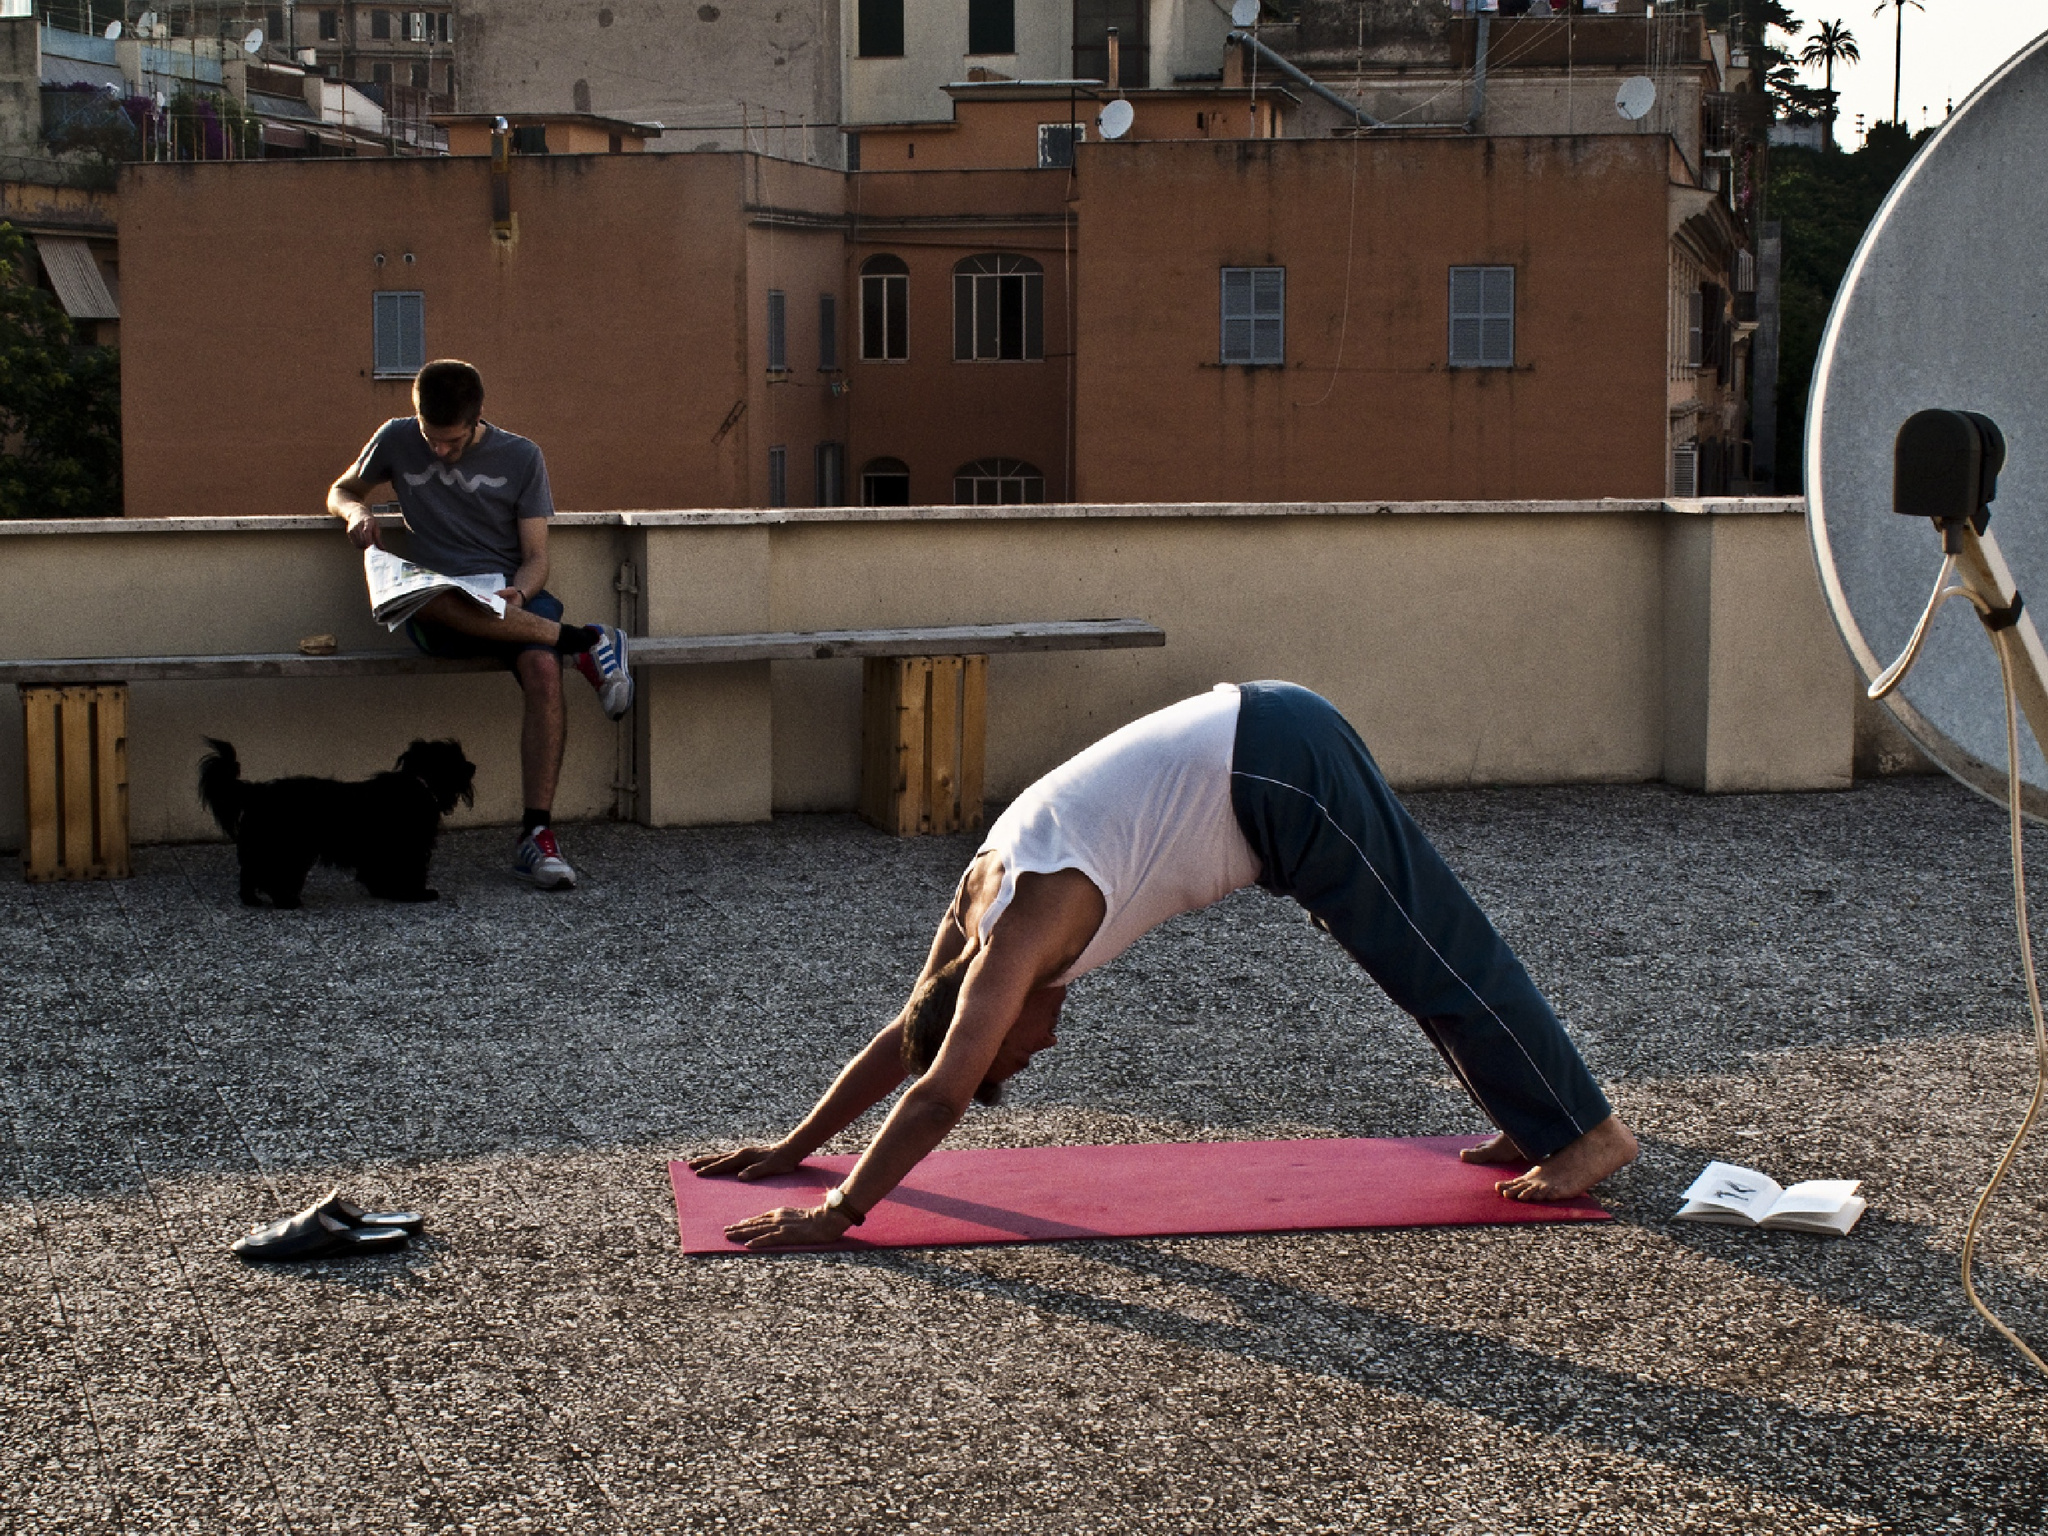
[[448, 393], [928, 1017]]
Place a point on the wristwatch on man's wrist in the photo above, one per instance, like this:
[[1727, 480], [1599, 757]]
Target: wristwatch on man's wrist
[[836, 1201]]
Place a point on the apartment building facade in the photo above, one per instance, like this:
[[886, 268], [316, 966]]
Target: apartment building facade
[[1170, 318]]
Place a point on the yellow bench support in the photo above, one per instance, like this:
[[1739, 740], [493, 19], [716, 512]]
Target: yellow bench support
[[75, 757], [924, 728]]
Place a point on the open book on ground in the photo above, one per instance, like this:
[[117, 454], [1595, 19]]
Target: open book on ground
[[399, 589], [1741, 1197]]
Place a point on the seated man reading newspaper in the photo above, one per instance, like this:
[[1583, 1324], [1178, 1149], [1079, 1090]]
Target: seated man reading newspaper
[[476, 501]]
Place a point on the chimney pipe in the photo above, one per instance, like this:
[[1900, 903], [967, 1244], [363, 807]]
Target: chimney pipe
[[1114, 72]]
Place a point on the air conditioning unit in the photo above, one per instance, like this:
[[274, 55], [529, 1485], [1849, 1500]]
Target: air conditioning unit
[[1685, 470]]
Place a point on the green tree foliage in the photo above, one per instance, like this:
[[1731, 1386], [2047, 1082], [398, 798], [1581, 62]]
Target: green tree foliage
[[1823, 203], [60, 404], [1751, 24]]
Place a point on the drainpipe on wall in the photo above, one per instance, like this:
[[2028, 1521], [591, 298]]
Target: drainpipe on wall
[[501, 179], [1357, 113]]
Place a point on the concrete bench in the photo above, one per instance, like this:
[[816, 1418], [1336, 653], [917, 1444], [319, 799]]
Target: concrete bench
[[924, 708]]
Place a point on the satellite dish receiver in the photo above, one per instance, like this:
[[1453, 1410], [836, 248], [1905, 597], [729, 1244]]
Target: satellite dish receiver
[[1114, 120], [1638, 93], [1930, 357], [113, 32], [1245, 13], [253, 43]]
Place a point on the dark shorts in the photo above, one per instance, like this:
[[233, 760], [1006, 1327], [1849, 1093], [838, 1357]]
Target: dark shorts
[[440, 640]]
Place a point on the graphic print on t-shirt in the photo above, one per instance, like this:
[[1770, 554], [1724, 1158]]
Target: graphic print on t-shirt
[[456, 477]]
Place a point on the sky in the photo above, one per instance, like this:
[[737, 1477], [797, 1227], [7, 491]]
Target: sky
[[1949, 47]]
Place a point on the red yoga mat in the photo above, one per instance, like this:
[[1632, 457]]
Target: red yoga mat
[[1040, 1194]]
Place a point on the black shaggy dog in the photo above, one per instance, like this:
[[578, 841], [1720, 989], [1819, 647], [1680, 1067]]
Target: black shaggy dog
[[382, 828]]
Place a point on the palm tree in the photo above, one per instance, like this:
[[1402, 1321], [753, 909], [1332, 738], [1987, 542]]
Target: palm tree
[[1833, 42], [1898, 38]]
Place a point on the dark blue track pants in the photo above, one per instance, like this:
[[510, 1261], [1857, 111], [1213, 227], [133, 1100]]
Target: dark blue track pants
[[1328, 832]]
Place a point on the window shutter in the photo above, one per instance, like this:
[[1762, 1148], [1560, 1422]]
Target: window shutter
[[1269, 314], [1237, 314], [412, 331], [778, 477], [384, 317], [1482, 317], [1497, 325], [398, 333], [1695, 328], [778, 332], [828, 331]]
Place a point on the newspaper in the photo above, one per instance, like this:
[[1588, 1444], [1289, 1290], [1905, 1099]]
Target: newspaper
[[399, 589]]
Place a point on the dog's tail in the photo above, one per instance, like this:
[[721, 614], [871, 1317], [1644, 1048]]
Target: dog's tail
[[220, 784]]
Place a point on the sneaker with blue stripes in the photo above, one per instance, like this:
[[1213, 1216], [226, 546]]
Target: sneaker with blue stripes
[[604, 664]]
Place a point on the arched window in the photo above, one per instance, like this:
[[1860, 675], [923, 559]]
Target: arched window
[[997, 483], [885, 483], [998, 310], [884, 309]]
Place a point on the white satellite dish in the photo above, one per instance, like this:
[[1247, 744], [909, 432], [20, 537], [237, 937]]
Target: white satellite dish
[[113, 32], [1637, 95], [1114, 120], [1244, 13], [253, 43], [1940, 310]]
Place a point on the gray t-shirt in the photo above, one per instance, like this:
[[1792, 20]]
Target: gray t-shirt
[[464, 516]]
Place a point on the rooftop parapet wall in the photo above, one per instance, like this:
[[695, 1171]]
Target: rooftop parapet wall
[[1472, 643]]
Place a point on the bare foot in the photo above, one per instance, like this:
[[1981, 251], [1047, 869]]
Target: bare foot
[[1501, 1149], [1576, 1168]]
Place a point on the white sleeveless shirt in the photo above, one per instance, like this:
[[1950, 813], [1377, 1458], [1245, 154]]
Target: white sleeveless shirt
[[1144, 814]]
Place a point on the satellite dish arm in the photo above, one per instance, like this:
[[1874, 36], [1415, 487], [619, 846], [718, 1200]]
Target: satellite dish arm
[[1997, 599]]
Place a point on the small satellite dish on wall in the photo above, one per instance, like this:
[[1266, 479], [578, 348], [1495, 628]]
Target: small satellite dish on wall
[[1244, 13], [1637, 95], [253, 43], [1114, 120], [113, 32]]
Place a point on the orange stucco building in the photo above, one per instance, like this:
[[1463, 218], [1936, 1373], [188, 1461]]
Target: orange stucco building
[[1175, 318]]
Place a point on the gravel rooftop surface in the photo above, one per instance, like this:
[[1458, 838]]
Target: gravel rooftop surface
[[1816, 986]]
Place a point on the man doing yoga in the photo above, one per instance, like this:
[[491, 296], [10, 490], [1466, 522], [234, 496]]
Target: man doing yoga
[[1261, 783]]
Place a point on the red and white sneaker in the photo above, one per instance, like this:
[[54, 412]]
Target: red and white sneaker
[[604, 665], [539, 862]]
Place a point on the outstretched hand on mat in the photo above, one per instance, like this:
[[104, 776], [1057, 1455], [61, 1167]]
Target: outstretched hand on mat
[[746, 1163], [786, 1227]]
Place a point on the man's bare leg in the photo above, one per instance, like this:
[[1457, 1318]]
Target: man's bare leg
[[544, 728], [467, 617], [1568, 1172]]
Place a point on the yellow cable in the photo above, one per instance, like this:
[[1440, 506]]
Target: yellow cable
[[1886, 681], [2001, 640]]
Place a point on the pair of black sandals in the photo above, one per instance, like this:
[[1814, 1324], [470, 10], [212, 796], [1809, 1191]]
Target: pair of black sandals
[[331, 1227]]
